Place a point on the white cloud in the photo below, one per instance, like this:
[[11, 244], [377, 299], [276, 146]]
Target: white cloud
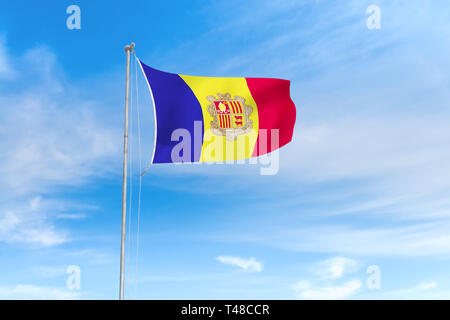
[[5, 64], [246, 264], [51, 139], [371, 150], [426, 290], [326, 272], [51, 148], [426, 285], [410, 293], [411, 240], [364, 146], [25, 291], [34, 203], [8, 221], [305, 290], [71, 216], [92, 256], [31, 222], [51, 271], [422, 239], [335, 268], [25, 227]]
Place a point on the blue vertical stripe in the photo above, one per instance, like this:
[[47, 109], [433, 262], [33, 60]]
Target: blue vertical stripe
[[176, 107]]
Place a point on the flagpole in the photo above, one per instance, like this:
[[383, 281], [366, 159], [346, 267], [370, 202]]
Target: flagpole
[[128, 50]]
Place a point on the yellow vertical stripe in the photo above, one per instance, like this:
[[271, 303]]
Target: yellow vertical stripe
[[216, 147]]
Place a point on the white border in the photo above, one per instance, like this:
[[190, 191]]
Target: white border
[[154, 108]]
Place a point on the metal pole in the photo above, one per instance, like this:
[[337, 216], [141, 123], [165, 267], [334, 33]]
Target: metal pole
[[128, 50]]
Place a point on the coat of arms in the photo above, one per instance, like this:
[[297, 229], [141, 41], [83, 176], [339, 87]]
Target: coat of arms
[[231, 117]]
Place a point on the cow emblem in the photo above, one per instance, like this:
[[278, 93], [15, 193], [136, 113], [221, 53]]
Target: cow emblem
[[231, 117]]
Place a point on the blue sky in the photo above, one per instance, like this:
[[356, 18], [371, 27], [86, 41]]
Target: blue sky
[[364, 182]]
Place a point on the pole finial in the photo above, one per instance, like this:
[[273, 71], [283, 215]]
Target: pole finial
[[130, 47]]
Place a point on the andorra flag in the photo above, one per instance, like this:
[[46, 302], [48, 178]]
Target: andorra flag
[[204, 119]]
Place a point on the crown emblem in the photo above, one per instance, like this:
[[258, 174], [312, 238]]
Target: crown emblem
[[231, 117]]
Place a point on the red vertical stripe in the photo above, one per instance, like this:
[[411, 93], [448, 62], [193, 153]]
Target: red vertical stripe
[[240, 107], [233, 106], [276, 110]]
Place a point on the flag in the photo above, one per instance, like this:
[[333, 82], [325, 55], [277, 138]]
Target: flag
[[203, 119]]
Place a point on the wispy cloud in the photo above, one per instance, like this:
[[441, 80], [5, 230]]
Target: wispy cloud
[[71, 216], [422, 239], [52, 136], [6, 69], [51, 139], [418, 289], [305, 290], [251, 265], [91, 255], [371, 144], [25, 291], [27, 225], [335, 268], [424, 290], [51, 271], [324, 275]]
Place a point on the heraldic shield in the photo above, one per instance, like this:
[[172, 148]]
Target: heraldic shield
[[231, 117]]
